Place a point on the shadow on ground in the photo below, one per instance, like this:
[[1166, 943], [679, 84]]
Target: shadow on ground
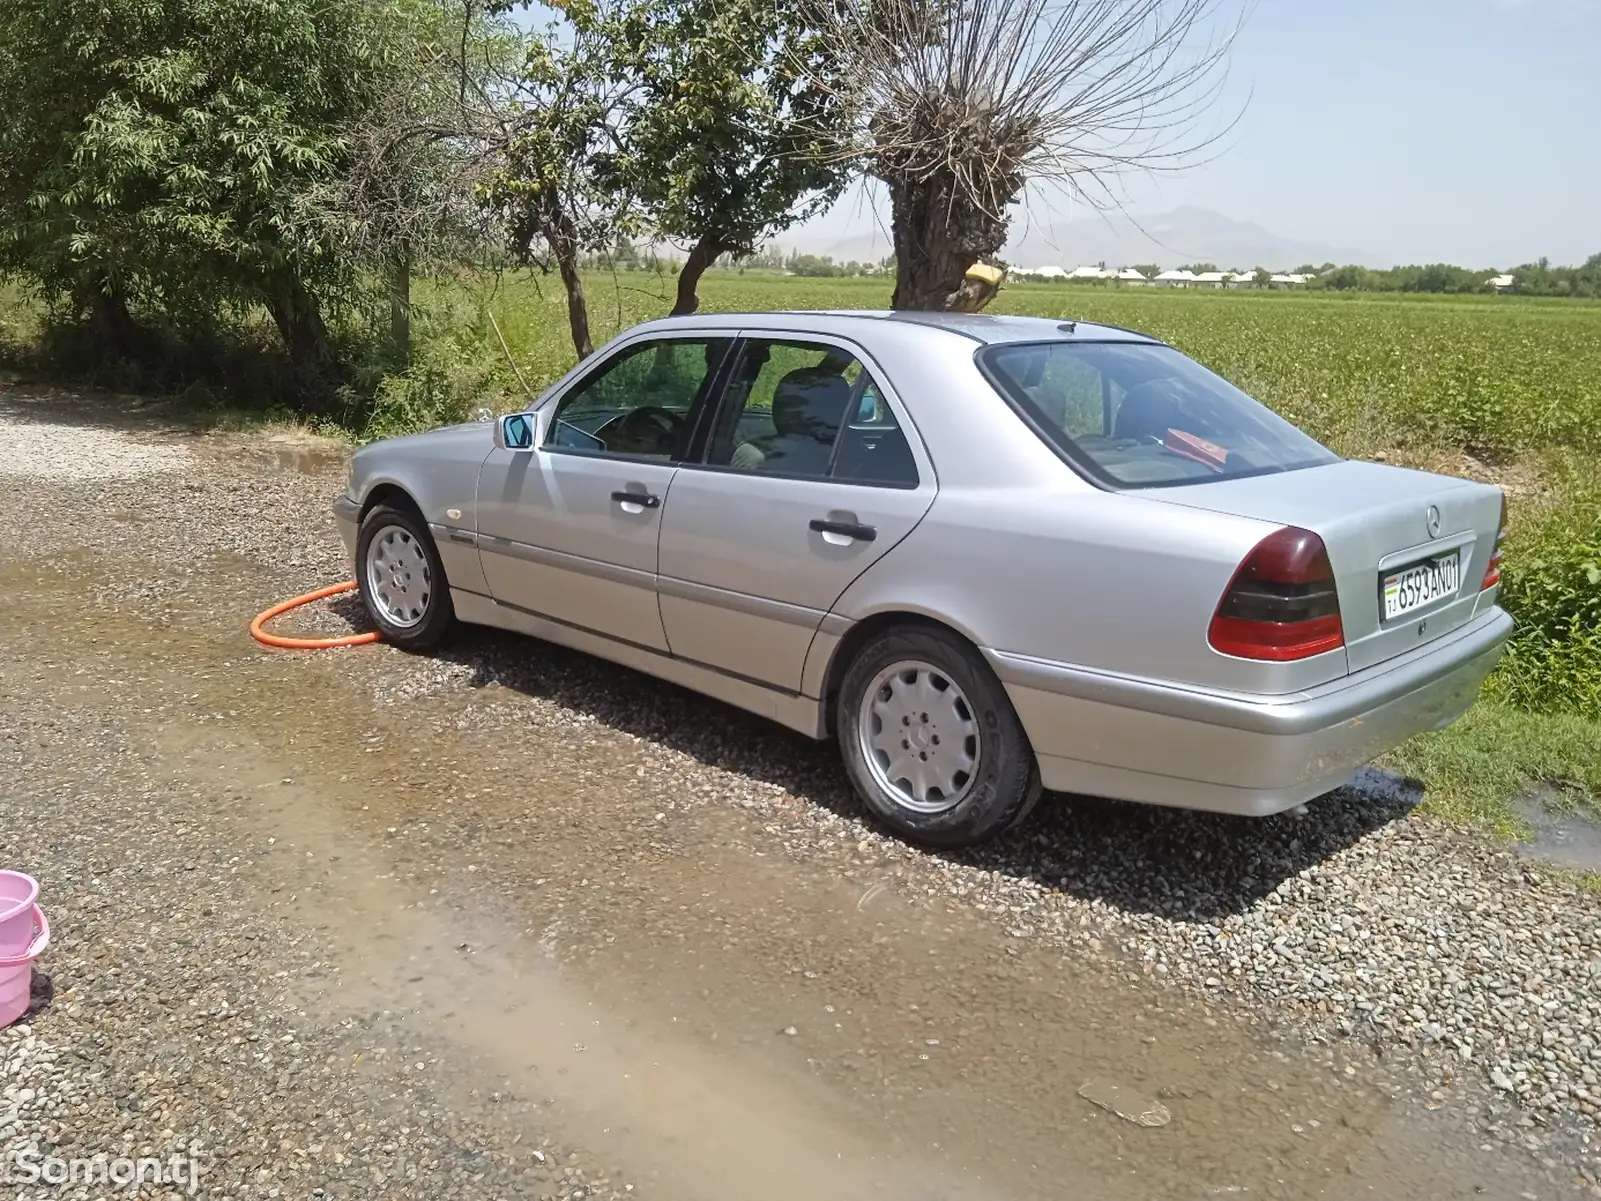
[[1175, 864], [23, 398]]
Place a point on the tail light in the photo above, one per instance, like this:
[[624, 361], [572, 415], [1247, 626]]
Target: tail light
[[1492, 569], [1281, 603]]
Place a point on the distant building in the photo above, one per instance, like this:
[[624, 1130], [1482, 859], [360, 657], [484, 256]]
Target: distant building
[[1130, 276], [1213, 279], [1089, 273], [1047, 272], [1173, 278], [1501, 282]]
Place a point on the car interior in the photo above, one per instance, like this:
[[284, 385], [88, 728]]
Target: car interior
[[1144, 415]]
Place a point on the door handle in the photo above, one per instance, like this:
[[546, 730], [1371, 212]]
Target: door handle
[[645, 500], [846, 529]]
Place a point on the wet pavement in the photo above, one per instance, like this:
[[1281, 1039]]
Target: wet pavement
[[662, 981], [1563, 834]]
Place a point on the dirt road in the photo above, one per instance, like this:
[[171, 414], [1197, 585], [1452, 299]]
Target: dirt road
[[507, 922]]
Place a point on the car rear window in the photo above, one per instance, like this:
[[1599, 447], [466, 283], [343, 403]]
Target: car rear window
[[1138, 415]]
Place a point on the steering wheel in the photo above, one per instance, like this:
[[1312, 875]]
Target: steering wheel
[[650, 429]]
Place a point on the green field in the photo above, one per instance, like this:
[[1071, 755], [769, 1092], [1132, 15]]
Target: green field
[[1499, 388]]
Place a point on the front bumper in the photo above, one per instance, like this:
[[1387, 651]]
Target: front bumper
[[347, 516], [1147, 740]]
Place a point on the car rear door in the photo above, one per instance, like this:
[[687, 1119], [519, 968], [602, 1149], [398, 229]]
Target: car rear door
[[569, 529], [807, 474]]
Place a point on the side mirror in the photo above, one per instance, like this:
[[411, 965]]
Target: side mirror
[[515, 431]]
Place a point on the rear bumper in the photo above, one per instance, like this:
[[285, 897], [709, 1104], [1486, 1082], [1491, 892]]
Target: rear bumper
[[347, 516], [1146, 740]]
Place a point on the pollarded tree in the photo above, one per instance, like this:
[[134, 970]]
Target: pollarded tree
[[959, 105]]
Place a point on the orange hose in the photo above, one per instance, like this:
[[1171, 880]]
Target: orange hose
[[307, 644]]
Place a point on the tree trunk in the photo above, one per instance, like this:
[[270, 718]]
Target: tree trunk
[[703, 255], [400, 305], [109, 319], [300, 323], [562, 236], [939, 234]]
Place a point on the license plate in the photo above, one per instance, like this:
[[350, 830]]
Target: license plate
[[1421, 584]]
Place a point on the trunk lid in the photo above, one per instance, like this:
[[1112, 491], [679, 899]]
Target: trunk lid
[[1375, 521]]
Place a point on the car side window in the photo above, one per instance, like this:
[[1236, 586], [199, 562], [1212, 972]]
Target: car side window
[[872, 447], [807, 410], [783, 408], [638, 404]]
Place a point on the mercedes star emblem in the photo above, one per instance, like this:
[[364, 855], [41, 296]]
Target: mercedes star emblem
[[1432, 520]]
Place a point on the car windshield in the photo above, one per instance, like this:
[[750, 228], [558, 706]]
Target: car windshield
[[1140, 415]]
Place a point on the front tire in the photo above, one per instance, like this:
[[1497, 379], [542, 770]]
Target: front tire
[[401, 579], [931, 741]]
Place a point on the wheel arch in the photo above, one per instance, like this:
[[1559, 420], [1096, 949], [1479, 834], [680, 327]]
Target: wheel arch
[[387, 492], [859, 635]]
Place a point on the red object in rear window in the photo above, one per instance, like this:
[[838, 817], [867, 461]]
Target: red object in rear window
[[1193, 447], [1492, 569], [1281, 604]]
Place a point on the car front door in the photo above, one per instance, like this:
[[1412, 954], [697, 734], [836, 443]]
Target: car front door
[[804, 477], [568, 530]]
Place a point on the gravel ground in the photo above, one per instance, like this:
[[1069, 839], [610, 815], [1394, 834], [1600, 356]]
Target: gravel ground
[[1467, 973], [178, 1031], [47, 450]]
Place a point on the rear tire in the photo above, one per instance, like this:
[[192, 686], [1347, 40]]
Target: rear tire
[[401, 579], [931, 741]]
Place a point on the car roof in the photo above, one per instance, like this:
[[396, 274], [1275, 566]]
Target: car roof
[[979, 327]]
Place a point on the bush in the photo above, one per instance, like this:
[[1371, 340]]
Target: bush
[[457, 373], [1552, 587]]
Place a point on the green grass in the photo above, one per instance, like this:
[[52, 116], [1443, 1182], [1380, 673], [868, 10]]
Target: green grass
[[19, 320], [1474, 769]]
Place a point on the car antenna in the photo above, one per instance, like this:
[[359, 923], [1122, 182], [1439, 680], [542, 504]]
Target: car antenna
[[1068, 327], [517, 371]]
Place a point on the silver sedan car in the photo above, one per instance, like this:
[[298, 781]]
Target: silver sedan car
[[989, 555]]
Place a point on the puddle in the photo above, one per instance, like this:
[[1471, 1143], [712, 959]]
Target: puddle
[[1376, 784], [281, 452], [1563, 835]]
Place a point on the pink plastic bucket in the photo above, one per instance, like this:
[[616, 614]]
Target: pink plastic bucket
[[18, 894], [24, 933]]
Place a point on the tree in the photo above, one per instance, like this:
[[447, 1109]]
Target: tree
[[730, 134], [1148, 270], [161, 155], [419, 161], [1346, 279], [559, 187], [957, 106], [821, 266]]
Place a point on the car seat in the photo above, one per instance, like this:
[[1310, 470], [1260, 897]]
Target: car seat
[[808, 407]]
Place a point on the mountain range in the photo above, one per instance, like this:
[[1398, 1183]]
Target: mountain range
[[1184, 235]]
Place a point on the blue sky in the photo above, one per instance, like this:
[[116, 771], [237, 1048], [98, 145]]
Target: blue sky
[[1467, 131]]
